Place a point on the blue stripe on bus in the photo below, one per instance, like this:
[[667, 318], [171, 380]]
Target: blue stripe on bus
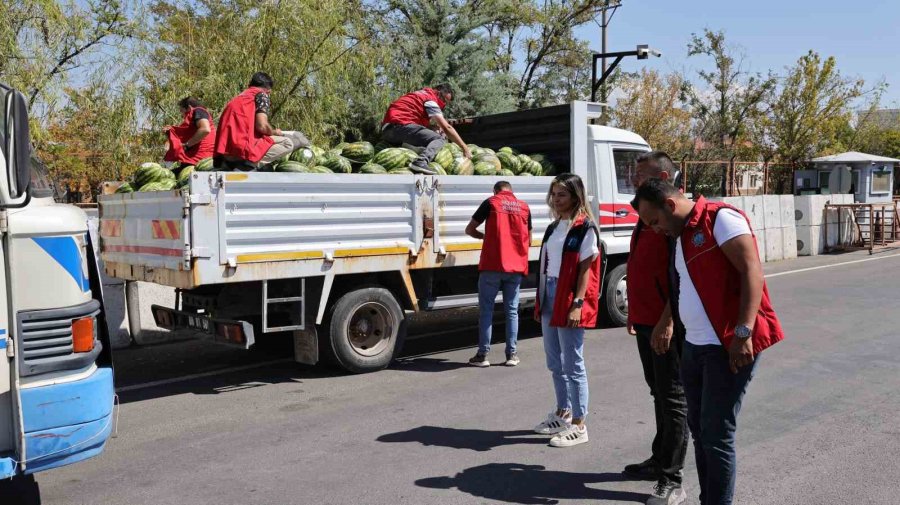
[[67, 253]]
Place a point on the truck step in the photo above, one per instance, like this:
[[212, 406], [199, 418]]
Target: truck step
[[471, 299]]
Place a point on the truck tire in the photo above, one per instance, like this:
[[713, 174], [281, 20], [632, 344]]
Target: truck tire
[[366, 329], [615, 297]]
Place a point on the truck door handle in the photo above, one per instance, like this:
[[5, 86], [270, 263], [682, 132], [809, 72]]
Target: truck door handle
[[621, 212]]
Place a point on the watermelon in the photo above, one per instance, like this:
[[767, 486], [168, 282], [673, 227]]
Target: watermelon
[[485, 168], [454, 148], [164, 185], [204, 165], [547, 167], [437, 168], [125, 188], [510, 162], [319, 169], [292, 166], [508, 150], [506, 173], [444, 157], [463, 166], [400, 171], [317, 151], [381, 146], [372, 168], [485, 157], [360, 152], [149, 165], [525, 174], [535, 168], [395, 157], [488, 150], [337, 164], [184, 177], [151, 172], [304, 155]]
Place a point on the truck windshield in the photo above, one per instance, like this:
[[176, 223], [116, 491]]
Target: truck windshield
[[41, 185]]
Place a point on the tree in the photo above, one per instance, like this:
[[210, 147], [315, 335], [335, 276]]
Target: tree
[[731, 98], [813, 101], [650, 106]]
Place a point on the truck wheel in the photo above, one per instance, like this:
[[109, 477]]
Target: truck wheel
[[367, 328], [615, 306]]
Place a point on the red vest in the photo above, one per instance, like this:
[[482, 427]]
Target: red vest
[[718, 282], [568, 275], [180, 134], [237, 136], [506, 235], [648, 275], [410, 108]]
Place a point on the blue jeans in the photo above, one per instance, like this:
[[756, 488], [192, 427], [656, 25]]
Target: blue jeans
[[489, 284], [714, 396], [564, 348]]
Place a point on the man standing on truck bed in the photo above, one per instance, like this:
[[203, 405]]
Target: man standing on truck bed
[[650, 320], [245, 135], [195, 137], [408, 120], [504, 262]]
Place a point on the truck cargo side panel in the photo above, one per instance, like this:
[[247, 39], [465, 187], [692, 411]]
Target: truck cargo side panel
[[147, 229]]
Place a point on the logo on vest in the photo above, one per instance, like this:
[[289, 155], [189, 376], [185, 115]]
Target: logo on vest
[[699, 239]]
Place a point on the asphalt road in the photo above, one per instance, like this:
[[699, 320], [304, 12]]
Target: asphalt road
[[819, 425]]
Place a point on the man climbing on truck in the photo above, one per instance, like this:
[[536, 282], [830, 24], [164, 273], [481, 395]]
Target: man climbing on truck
[[245, 136], [408, 120]]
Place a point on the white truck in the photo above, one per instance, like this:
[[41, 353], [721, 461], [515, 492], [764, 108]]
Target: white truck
[[339, 260]]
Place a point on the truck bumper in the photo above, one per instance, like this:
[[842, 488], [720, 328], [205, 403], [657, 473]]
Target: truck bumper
[[222, 331]]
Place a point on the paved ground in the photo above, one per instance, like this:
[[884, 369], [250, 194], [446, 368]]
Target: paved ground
[[819, 424]]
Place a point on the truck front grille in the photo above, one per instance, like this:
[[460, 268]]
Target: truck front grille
[[45, 338]]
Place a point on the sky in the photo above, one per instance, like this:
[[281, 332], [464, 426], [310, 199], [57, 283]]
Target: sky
[[863, 35]]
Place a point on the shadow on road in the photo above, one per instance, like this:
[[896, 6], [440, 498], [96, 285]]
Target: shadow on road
[[475, 440], [427, 365], [531, 484]]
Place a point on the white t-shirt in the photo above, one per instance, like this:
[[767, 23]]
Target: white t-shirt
[[433, 109], [589, 247], [699, 331]]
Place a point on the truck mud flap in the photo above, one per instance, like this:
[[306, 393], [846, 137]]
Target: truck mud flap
[[222, 331]]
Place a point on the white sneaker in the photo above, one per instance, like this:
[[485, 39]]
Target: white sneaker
[[667, 493], [554, 424], [573, 435]]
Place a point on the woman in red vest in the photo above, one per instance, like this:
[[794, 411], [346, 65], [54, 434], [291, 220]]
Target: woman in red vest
[[194, 138], [568, 298]]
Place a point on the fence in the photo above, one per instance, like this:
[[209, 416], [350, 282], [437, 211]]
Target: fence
[[723, 178]]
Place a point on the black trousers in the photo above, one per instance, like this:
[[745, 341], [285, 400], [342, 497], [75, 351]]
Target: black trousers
[[662, 373]]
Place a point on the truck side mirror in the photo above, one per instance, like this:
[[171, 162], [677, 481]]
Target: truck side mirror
[[18, 144]]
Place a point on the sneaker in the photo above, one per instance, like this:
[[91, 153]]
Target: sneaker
[[419, 169], [573, 435], [645, 470], [554, 424], [512, 359], [480, 360], [667, 492]]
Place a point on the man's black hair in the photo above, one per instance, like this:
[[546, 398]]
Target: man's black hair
[[502, 185], [443, 87], [661, 159], [655, 192], [262, 80], [188, 102]]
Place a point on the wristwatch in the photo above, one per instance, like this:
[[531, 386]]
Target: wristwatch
[[577, 303], [742, 332]]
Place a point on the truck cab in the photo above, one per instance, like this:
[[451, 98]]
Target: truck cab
[[56, 376]]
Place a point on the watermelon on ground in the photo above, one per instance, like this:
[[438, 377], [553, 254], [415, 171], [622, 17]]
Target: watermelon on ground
[[485, 168], [125, 188], [292, 166], [337, 164], [204, 165], [360, 152], [372, 168], [304, 155]]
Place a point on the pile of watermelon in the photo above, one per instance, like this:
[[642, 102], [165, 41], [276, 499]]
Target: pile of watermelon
[[505, 162], [152, 176]]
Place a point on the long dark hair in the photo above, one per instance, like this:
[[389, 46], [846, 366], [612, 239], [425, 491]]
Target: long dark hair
[[575, 187]]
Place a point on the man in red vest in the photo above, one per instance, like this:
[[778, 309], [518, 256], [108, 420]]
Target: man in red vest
[[720, 297], [650, 320], [245, 135], [408, 121], [195, 137], [504, 262]]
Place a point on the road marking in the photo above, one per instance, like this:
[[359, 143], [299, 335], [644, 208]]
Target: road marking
[[212, 373], [830, 266]]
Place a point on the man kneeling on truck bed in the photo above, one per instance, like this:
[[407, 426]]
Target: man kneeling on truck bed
[[245, 136], [408, 121]]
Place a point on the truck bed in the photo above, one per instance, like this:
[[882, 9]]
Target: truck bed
[[237, 227]]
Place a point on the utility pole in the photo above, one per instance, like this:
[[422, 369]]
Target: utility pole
[[606, 17]]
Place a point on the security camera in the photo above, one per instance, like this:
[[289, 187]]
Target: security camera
[[644, 51]]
